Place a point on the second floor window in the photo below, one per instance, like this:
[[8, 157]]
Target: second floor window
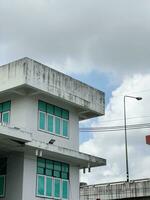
[[5, 112], [53, 119]]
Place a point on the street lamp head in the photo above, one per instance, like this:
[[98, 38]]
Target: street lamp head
[[138, 98]]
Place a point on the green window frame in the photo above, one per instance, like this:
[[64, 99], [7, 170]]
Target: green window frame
[[54, 119], [42, 120], [50, 123], [65, 127], [57, 125], [51, 183], [49, 187], [65, 189], [5, 108], [40, 185], [5, 117], [57, 188]]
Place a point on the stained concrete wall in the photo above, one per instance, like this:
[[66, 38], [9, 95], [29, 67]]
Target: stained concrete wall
[[31, 73], [138, 189]]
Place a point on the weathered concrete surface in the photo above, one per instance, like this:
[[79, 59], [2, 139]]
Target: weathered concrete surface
[[76, 158], [29, 73], [138, 189]]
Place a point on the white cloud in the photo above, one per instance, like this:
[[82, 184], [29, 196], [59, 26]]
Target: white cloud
[[110, 145], [77, 36]]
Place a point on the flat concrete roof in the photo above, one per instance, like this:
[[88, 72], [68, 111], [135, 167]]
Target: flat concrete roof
[[26, 75]]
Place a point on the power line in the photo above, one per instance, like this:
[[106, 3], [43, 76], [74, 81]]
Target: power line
[[115, 128], [121, 119]]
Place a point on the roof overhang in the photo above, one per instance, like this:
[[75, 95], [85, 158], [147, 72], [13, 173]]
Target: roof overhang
[[76, 158], [26, 76]]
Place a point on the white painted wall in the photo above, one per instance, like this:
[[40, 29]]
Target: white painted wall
[[24, 114]]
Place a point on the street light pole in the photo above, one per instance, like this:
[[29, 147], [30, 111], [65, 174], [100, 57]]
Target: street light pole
[[125, 131]]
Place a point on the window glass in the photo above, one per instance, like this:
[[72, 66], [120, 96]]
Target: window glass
[[64, 189], [49, 188], [41, 185], [42, 106], [6, 106], [2, 185], [50, 109], [65, 167], [5, 117], [57, 166], [57, 125], [65, 114], [57, 188], [1, 108], [42, 118], [50, 123], [49, 172], [58, 111], [64, 175], [65, 128], [40, 170], [41, 162], [49, 164], [57, 174]]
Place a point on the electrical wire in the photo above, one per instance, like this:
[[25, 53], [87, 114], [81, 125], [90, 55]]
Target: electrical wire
[[115, 128]]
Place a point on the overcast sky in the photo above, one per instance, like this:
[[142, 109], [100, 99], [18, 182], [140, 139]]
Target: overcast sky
[[105, 43], [78, 36]]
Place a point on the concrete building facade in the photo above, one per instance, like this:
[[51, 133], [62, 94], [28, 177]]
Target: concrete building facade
[[40, 110]]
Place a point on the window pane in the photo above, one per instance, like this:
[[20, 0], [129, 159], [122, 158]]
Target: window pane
[[42, 106], [65, 189], [57, 126], [41, 185], [64, 175], [65, 128], [42, 117], [50, 109], [5, 117], [1, 108], [6, 106], [57, 166], [57, 174], [41, 162], [40, 170], [58, 111], [50, 123], [49, 172], [49, 164], [57, 188], [2, 185], [65, 167], [65, 114], [49, 188]]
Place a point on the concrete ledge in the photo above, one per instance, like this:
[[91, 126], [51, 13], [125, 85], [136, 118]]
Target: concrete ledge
[[14, 133], [89, 101], [79, 159]]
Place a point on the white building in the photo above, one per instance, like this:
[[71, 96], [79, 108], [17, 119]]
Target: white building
[[40, 110]]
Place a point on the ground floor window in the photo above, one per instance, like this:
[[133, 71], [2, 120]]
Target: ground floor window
[[52, 179], [3, 166]]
